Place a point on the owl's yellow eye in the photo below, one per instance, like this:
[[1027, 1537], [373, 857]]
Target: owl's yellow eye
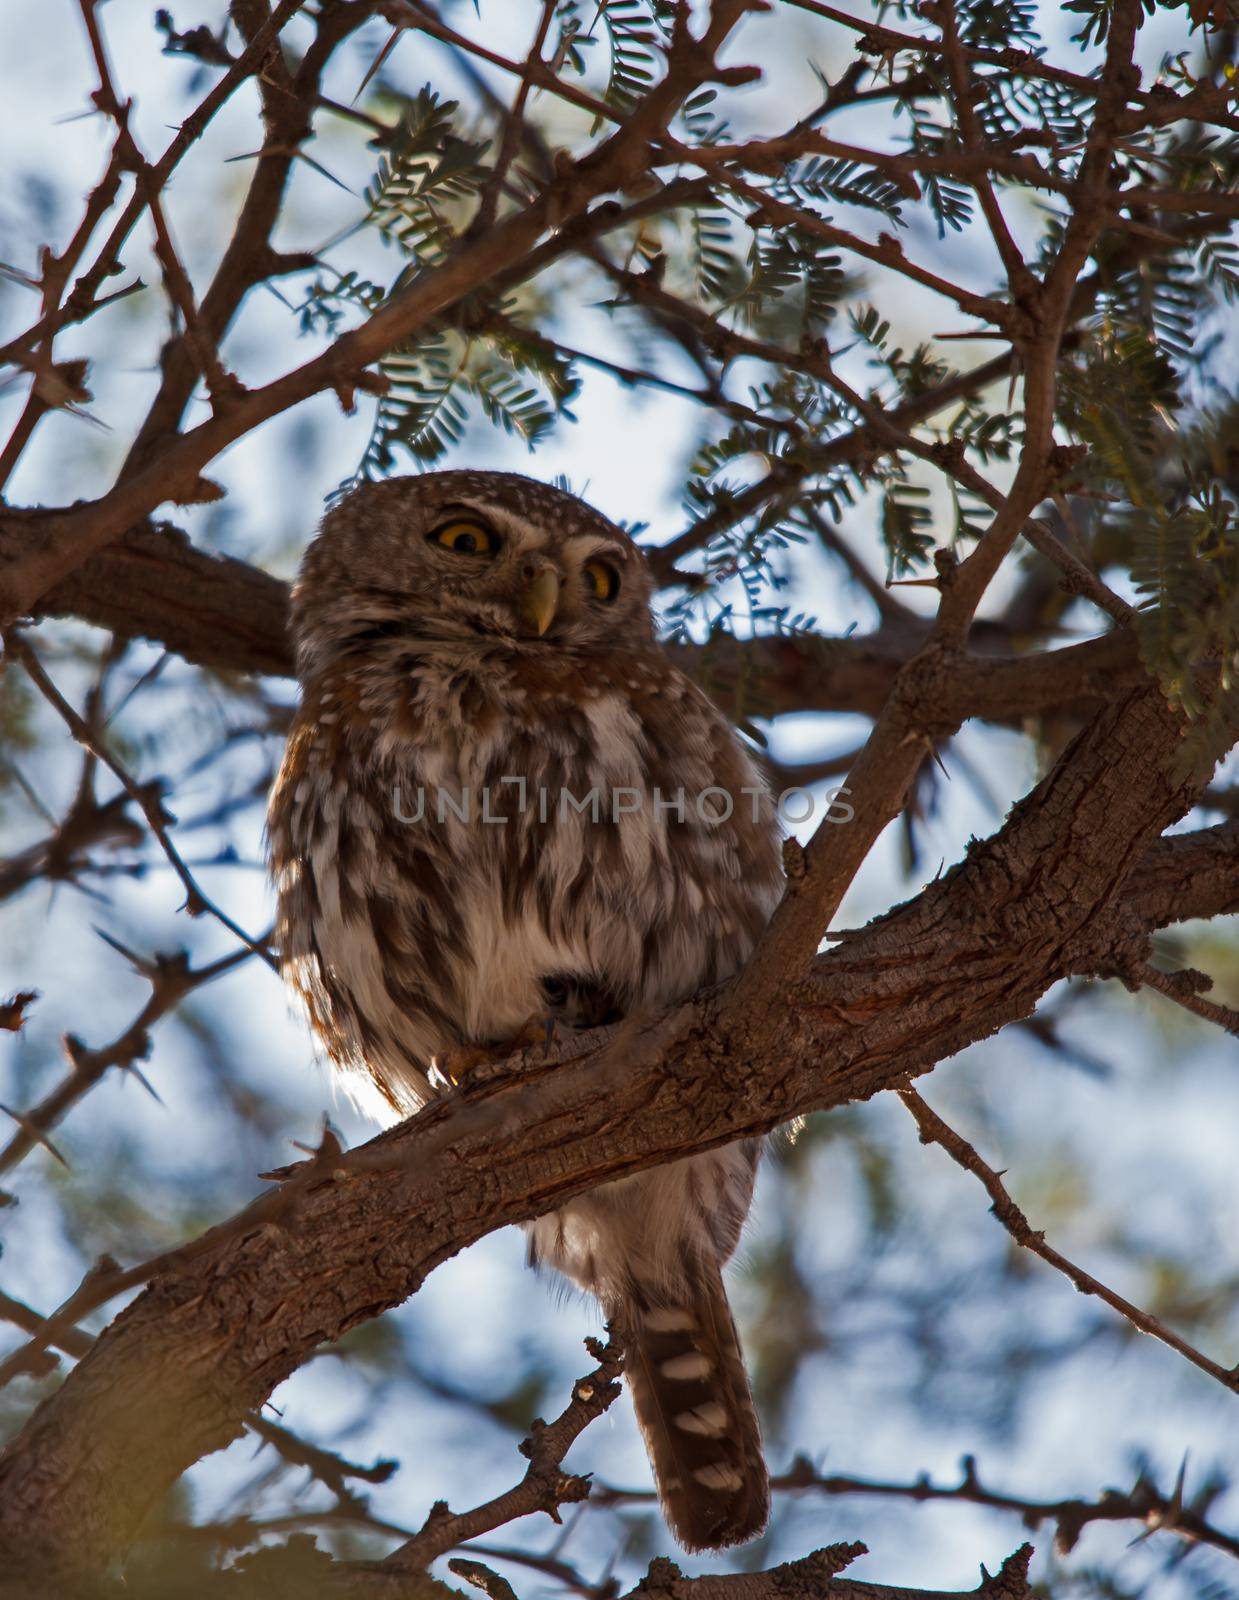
[[602, 581], [466, 538]]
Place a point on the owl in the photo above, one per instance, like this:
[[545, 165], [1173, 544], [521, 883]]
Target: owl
[[502, 807]]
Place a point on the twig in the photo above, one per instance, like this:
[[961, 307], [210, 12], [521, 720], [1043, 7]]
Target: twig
[[1078, 578], [327, 1466], [1019, 279], [545, 1486], [1183, 988], [62, 856], [221, 384], [196, 902], [887, 766], [710, 397], [1143, 1503], [1206, 101], [419, 18], [171, 979], [514, 127], [934, 1130], [886, 252], [104, 1280], [82, 300]]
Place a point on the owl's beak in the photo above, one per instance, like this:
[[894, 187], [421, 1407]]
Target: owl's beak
[[539, 601]]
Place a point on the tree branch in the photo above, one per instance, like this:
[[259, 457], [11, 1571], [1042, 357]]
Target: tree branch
[[55, 543], [545, 1487], [221, 613], [175, 1375], [935, 1131]]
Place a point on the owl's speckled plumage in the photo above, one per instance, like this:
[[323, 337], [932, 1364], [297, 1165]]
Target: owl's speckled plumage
[[424, 674]]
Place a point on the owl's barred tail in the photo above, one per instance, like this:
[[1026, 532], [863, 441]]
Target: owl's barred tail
[[691, 1394]]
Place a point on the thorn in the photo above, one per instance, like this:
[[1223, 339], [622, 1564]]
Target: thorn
[[132, 1067], [32, 1131], [377, 62], [327, 1152], [1178, 1486], [141, 964]]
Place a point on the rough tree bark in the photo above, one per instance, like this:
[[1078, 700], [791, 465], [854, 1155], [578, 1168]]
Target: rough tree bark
[[224, 614], [174, 1375]]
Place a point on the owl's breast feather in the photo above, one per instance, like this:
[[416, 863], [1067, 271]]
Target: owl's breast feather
[[582, 851]]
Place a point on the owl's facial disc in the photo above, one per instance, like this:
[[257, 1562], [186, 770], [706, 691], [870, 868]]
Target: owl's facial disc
[[497, 574], [467, 560]]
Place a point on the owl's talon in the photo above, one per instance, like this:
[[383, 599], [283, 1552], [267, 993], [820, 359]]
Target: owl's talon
[[455, 1066], [540, 1029]]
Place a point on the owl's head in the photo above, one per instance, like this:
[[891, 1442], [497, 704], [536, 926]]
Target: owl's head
[[456, 557]]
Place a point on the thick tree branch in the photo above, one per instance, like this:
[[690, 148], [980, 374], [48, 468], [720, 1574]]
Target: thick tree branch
[[221, 613], [816, 1577], [176, 1374], [1186, 875]]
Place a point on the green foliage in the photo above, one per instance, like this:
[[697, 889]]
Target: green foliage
[[516, 382], [906, 518], [781, 283], [328, 303], [1217, 261], [831, 178], [950, 201], [794, 285], [419, 200], [988, 435], [1185, 561], [421, 411], [712, 263], [801, 415], [1115, 397], [701, 122], [1179, 520], [906, 523], [635, 30], [427, 173], [1145, 384], [1096, 14]]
